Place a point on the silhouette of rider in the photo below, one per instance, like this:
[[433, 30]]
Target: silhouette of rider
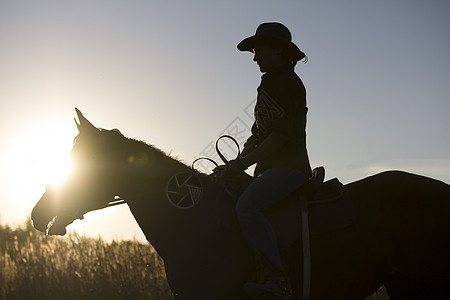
[[277, 145]]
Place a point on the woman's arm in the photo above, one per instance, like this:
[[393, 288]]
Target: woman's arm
[[251, 155]]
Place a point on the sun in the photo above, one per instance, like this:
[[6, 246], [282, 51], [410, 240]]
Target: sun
[[40, 157]]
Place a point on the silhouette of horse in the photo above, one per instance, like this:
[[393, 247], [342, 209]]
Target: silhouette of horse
[[399, 237]]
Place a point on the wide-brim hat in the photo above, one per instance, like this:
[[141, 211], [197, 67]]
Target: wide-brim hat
[[273, 33]]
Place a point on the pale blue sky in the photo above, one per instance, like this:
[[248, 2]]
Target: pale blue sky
[[169, 73]]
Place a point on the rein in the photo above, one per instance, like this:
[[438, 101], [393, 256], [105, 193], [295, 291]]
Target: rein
[[222, 157], [118, 201]]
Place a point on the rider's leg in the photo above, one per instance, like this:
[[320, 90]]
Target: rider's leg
[[265, 191]]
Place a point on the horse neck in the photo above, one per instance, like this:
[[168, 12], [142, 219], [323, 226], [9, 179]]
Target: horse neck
[[145, 168], [165, 226]]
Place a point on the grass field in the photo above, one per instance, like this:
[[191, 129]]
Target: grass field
[[35, 266]]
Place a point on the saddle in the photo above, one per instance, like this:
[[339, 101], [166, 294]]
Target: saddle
[[329, 208]]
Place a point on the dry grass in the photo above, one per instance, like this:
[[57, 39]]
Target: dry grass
[[35, 266]]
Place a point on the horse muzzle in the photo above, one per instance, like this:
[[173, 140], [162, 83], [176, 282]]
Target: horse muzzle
[[43, 212], [56, 227]]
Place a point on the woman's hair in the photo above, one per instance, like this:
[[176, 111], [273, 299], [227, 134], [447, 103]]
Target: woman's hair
[[288, 55], [292, 57]]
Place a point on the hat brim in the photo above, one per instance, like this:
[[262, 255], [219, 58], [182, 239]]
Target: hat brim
[[249, 44]]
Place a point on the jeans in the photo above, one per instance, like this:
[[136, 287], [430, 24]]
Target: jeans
[[266, 190]]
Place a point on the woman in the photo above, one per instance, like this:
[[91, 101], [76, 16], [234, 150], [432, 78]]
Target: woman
[[277, 146]]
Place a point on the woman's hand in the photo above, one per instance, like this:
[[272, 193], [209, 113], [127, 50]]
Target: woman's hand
[[231, 169]]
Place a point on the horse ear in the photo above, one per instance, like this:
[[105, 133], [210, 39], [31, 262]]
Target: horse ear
[[84, 124]]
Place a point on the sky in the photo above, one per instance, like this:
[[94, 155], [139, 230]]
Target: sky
[[169, 73]]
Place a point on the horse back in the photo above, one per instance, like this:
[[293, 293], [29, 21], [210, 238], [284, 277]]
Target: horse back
[[407, 216]]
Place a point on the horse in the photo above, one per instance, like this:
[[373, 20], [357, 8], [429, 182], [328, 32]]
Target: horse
[[398, 238]]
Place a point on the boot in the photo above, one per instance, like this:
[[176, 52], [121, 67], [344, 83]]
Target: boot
[[277, 284]]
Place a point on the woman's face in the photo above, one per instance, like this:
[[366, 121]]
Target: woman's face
[[268, 57]]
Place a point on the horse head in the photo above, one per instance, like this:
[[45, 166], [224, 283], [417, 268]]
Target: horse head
[[93, 182]]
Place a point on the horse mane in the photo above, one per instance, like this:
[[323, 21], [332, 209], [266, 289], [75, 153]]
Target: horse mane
[[132, 145]]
